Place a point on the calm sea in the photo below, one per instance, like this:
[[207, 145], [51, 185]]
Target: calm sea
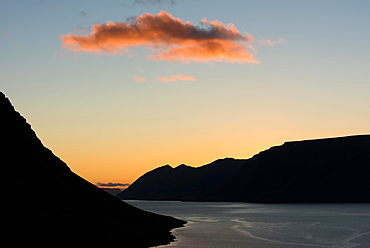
[[231, 225]]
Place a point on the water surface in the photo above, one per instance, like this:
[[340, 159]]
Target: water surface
[[232, 225]]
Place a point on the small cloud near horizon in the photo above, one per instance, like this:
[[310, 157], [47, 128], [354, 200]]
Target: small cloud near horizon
[[3, 33], [268, 42], [139, 79], [167, 38], [176, 78], [113, 185]]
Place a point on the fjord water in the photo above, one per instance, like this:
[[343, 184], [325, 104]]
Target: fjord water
[[232, 225]]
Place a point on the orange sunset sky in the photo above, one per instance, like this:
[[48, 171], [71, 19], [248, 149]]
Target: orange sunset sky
[[118, 88]]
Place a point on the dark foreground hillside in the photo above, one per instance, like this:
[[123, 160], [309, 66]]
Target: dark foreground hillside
[[44, 204], [183, 183], [335, 170]]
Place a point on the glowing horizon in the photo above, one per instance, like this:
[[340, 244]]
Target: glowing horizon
[[116, 89]]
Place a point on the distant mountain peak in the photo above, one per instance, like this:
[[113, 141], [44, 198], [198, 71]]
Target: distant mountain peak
[[184, 167], [184, 182], [167, 166]]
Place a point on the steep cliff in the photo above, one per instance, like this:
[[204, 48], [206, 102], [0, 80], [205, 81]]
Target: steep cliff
[[44, 204]]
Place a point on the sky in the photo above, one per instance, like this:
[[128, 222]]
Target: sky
[[117, 88]]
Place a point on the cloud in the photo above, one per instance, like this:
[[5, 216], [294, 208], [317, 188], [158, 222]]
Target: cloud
[[176, 78], [113, 184], [150, 2], [268, 42], [139, 79], [58, 55], [80, 29], [82, 13], [168, 38], [3, 33]]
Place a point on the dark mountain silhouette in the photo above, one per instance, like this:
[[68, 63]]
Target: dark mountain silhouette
[[181, 183], [333, 170], [112, 191], [47, 205]]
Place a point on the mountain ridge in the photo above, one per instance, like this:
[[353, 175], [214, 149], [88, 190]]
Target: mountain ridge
[[309, 171], [331, 170], [181, 182]]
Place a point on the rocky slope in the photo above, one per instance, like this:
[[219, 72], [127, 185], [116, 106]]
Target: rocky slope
[[46, 205]]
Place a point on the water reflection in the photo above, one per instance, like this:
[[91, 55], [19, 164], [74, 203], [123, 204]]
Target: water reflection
[[221, 225]]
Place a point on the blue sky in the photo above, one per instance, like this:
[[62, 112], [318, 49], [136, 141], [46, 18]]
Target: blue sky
[[92, 113]]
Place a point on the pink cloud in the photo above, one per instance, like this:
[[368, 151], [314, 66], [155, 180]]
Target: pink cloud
[[268, 42], [3, 32], [139, 79], [168, 38], [176, 78]]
